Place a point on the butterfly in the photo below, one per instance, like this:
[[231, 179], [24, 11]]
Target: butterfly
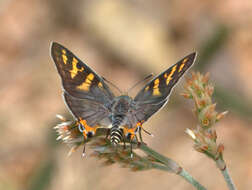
[[93, 104]]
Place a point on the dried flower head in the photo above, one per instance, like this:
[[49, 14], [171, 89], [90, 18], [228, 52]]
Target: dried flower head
[[200, 91], [68, 132], [122, 153]]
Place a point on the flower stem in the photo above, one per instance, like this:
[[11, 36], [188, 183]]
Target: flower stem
[[223, 168], [228, 179], [170, 166], [191, 180]]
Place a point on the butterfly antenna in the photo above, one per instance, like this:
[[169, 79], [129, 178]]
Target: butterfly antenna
[[139, 82], [112, 85]]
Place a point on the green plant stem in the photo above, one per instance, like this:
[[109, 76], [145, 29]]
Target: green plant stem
[[223, 168], [170, 166], [190, 179], [228, 179], [160, 167]]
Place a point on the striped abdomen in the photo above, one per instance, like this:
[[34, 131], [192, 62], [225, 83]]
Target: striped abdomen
[[116, 134]]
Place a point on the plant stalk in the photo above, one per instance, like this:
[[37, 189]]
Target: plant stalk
[[170, 166], [191, 180], [223, 168]]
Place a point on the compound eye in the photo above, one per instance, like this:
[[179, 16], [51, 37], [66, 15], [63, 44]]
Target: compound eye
[[81, 128]]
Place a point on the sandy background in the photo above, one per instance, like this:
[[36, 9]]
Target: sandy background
[[123, 41]]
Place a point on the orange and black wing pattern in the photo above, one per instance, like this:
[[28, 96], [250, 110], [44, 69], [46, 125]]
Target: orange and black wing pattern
[[78, 79], [155, 93], [85, 92]]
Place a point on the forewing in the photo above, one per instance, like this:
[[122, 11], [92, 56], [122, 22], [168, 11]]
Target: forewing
[[78, 79], [155, 94], [85, 93]]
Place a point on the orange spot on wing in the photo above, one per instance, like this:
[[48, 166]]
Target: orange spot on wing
[[86, 84], [181, 67], [156, 91], [185, 60], [183, 64], [147, 88], [64, 57], [169, 77], [90, 77], [75, 70], [100, 85]]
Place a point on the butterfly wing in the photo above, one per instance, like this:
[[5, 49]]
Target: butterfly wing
[[93, 112], [85, 92], [155, 94]]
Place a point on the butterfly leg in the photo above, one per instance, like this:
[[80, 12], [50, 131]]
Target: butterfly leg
[[84, 150], [140, 134], [81, 129], [137, 139], [147, 132], [131, 152], [107, 134], [124, 142]]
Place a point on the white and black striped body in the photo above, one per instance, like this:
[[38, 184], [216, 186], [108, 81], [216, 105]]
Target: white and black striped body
[[120, 109]]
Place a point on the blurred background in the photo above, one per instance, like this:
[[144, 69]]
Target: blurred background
[[123, 41]]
